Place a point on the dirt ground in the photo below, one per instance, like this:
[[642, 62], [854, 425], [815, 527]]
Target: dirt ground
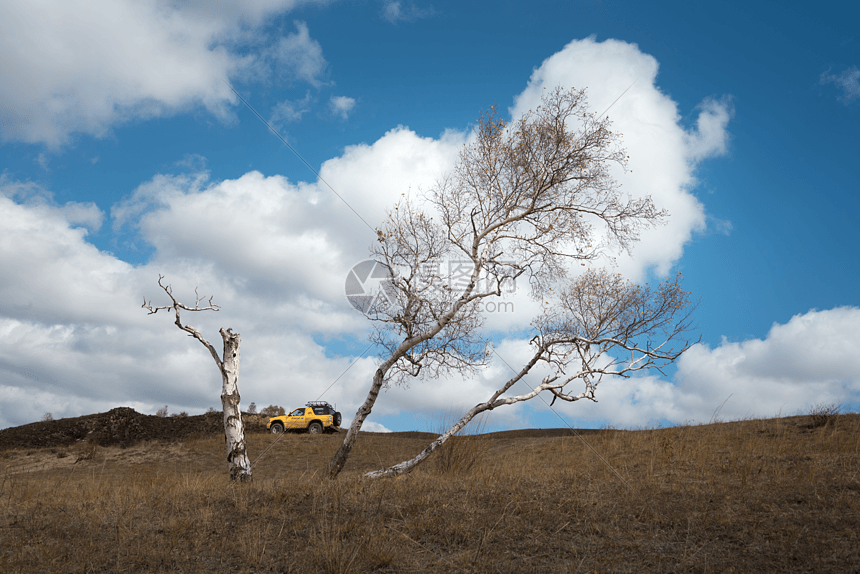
[[775, 495], [60, 444], [125, 427]]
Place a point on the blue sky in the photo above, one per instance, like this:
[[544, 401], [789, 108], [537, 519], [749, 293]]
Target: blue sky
[[124, 155]]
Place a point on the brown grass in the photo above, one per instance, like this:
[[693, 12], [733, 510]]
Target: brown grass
[[780, 495]]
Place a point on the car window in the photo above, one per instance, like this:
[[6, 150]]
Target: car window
[[297, 412], [319, 410]]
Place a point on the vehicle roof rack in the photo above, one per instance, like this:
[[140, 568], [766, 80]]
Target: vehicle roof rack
[[318, 404]]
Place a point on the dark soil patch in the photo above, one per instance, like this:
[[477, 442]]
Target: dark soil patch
[[122, 426]]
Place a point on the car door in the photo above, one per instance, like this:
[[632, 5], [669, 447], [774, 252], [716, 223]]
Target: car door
[[296, 419]]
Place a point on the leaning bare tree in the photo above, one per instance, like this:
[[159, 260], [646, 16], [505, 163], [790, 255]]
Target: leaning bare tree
[[234, 430], [524, 200], [600, 325]]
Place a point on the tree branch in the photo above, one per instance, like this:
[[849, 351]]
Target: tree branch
[[176, 306]]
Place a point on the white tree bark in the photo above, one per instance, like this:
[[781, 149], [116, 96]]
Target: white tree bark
[[339, 459], [407, 466], [234, 431]]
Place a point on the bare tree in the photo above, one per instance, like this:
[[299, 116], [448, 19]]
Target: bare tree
[[234, 430], [522, 203]]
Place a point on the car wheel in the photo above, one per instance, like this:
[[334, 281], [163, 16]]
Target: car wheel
[[315, 428], [337, 419], [277, 428]]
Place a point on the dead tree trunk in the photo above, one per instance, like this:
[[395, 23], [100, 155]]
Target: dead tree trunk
[[234, 431]]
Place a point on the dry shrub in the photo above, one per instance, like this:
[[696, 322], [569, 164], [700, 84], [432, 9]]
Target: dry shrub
[[460, 453], [86, 450], [339, 547], [254, 422], [824, 413], [272, 411]]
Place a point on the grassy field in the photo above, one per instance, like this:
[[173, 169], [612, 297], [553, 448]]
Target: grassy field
[[778, 495]]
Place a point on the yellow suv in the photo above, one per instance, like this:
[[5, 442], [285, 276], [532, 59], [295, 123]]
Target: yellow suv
[[316, 417]]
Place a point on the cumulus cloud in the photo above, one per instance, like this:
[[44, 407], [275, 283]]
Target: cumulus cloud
[[663, 155], [811, 359], [84, 215], [270, 229], [848, 81], [50, 273], [371, 426], [341, 106], [75, 66]]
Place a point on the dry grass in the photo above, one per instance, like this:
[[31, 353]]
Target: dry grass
[[754, 496]]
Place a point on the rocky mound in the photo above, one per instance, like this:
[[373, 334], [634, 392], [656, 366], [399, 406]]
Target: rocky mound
[[121, 426]]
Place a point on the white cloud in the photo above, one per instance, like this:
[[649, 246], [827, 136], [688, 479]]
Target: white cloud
[[70, 66], [849, 81], [290, 110], [50, 273], [42, 160], [371, 426], [711, 137], [281, 236], [395, 11], [663, 155], [273, 253], [302, 56], [341, 106], [810, 359]]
